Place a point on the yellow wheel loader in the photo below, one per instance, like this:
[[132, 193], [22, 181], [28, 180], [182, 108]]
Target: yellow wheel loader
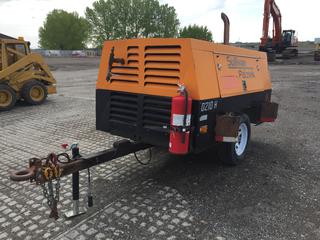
[[23, 75]]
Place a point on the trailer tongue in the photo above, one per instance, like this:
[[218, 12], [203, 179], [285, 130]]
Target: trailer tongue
[[51, 168]]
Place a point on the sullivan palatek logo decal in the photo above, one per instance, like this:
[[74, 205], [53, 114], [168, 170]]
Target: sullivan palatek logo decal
[[236, 62], [241, 65]]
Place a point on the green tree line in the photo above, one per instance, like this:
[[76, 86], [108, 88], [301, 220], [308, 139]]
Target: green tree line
[[114, 19]]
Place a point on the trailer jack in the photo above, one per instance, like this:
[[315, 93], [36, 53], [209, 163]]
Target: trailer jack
[[48, 171]]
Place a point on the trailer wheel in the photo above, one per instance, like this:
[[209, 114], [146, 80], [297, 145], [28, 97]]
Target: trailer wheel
[[8, 97], [234, 153], [34, 92]]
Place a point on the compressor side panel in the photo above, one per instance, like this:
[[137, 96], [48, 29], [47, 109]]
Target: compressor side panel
[[239, 75]]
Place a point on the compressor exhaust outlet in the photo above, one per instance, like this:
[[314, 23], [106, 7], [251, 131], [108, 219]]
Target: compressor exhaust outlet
[[226, 34]]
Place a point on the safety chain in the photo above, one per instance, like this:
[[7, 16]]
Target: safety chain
[[48, 172]]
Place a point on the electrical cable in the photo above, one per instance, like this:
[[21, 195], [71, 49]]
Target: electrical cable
[[64, 155]]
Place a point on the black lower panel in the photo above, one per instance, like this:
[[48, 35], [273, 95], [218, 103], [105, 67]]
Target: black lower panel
[[146, 118], [139, 117], [242, 102]]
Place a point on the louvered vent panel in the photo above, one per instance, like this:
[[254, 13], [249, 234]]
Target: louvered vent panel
[[162, 65], [128, 73], [124, 108], [156, 112]]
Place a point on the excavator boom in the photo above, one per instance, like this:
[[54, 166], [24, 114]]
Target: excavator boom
[[277, 21], [271, 8]]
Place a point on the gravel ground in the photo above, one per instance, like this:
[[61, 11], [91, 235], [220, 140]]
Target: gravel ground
[[274, 194]]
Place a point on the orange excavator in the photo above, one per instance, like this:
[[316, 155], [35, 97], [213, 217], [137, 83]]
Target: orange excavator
[[282, 42]]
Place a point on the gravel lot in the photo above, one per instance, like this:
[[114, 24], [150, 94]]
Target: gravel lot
[[274, 194]]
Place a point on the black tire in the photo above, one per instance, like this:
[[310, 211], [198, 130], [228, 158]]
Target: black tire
[[34, 92], [8, 97], [227, 151]]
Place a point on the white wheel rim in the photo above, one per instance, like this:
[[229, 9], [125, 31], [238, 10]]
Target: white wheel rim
[[241, 145]]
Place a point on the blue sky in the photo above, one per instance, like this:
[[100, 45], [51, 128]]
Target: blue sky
[[26, 16]]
